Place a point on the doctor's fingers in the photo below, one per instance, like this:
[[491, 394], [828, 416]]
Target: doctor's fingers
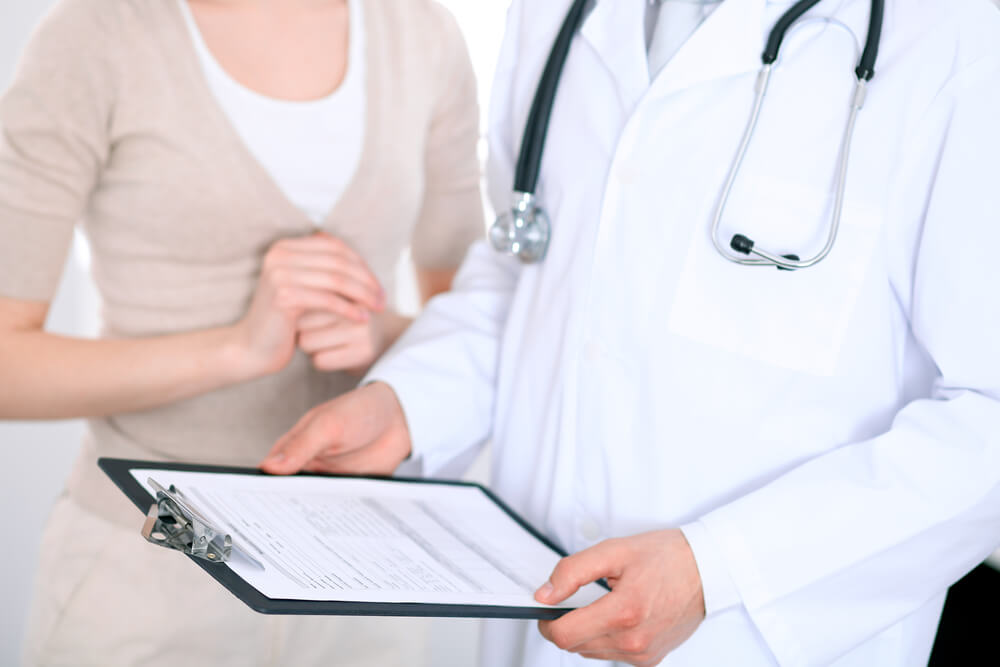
[[605, 625], [635, 647], [605, 559], [313, 433], [348, 422], [363, 293], [306, 448], [638, 646], [637, 660], [377, 458]]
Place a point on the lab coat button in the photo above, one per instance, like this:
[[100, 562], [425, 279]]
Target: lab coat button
[[590, 531], [592, 351]]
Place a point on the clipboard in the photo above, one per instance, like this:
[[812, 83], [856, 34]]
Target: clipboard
[[121, 472]]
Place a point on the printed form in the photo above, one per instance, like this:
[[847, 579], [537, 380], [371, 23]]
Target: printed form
[[361, 540]]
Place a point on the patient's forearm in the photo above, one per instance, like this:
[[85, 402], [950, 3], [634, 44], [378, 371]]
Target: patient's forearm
[[44, 376]]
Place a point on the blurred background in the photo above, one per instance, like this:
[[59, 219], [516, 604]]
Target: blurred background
[[38, 455]]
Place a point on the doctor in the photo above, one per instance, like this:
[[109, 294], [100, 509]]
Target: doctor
[[768, 466]]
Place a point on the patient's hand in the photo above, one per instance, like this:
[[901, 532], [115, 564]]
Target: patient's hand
[[362, 432], [338, 344], [317, 273]]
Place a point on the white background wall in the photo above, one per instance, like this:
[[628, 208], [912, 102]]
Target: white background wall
[[37, 456]]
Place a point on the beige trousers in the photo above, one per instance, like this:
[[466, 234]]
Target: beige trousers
[[104, 596]]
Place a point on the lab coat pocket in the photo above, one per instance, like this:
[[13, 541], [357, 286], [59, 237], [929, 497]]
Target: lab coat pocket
[[794, 320]]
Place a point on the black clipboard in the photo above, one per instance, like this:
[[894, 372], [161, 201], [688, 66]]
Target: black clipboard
[[120, 472]]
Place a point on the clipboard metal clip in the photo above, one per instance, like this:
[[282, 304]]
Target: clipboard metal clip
[[172, 522]]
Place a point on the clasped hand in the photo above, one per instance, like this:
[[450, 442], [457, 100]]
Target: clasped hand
[[316, 293]]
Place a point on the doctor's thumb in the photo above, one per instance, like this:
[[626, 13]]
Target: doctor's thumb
[[578, 570]]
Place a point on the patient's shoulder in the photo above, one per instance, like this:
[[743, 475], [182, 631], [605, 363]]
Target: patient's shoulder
[[424, 24], [423, 44]]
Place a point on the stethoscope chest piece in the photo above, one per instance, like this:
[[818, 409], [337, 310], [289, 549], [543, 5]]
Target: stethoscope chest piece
[[523, 231]]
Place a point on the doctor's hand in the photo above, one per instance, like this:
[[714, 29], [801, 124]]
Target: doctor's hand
[[362, 432], [317, 273], [655, 604], [338, 344]]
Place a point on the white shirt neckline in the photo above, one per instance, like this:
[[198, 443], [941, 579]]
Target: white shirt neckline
[[310, 149], [353, 75]]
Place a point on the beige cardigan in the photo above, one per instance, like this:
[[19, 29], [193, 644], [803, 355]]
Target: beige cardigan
[[109, 121]]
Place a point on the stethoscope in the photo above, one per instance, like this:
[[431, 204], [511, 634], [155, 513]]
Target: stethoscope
[[525, 230]]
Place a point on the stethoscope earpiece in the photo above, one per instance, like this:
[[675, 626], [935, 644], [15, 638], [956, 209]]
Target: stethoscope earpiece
[[741, 244], [745, 246]]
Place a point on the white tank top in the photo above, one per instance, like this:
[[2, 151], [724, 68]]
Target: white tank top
[[310, 149]]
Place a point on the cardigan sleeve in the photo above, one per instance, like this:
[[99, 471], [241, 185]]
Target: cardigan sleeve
[[451, 218], [54, 140]]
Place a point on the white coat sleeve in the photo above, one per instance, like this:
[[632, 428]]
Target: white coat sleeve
[[853, 541], [444, 368]]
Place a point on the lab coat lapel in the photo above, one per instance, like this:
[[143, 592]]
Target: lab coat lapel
[[729, 42], [614, 30]]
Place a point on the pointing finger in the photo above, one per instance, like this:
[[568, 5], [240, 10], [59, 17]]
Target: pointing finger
[[307, 439], [370, 460]]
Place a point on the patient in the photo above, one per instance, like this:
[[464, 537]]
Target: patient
[[248, 174]]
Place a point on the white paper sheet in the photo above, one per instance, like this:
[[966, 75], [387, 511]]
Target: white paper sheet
[[358, 540]]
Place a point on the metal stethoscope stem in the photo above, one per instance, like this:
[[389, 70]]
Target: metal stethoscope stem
[[746, 246]]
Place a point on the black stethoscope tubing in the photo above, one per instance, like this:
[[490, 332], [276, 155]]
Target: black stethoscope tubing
[[866, 67], [537, 128], [529, 160]]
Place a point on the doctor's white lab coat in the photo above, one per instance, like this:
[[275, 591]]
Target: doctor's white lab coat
[[829, 439]]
